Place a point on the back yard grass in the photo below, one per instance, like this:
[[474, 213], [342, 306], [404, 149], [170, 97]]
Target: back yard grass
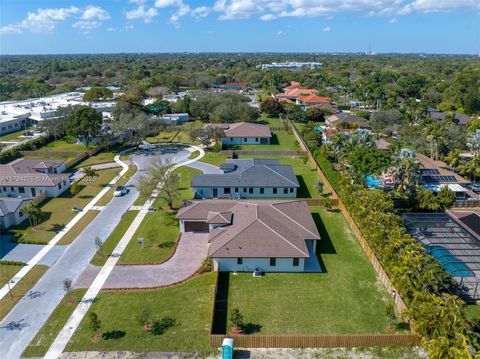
[[345, 299], [280, 141], [63, 146], [16, 136], [105, 156], [57, 212], [159, 229], [189, 304]]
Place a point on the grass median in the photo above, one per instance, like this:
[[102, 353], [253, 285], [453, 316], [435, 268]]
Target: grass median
[[42, 341], [22, 288]]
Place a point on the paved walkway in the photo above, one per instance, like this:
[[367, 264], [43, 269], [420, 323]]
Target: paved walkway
[[206, 167], [191, 252], [81, 310]]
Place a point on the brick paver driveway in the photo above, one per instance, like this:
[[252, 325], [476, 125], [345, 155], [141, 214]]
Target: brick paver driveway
[[192, 250]]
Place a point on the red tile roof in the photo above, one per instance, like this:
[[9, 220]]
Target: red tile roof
[[314, 99]]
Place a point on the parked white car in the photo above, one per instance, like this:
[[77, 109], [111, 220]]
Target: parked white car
[[120, 191]]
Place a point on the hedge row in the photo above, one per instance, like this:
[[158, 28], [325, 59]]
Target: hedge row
[[14, 153]]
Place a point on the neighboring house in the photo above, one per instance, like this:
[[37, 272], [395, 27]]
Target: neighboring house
[[238, 86], [174, 118], [246, 133], [382, 144], [30, 177], [311, 100], [270, 236], [247, 178], [11, 211], [341, 117], [461, 119]]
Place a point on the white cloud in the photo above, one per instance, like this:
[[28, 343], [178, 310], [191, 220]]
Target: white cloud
[[270, 9], [45, 20], [168, 3], [138, 2], [94, 13], [327, 29], [393, 20], [111, 29], [10, 29], [268, 17], [141, 13], [86, 25], [280, 33], [201, 11]]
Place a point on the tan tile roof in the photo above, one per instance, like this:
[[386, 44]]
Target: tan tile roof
[[247, 129], [259, 228], [24, 174]]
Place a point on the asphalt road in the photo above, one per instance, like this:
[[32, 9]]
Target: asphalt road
[[19, 327]]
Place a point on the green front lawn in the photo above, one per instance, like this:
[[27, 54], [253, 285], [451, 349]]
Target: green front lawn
[[345, 299], [16, 136], [63, 146], [189, 304], [105, 156], [159, 229], [39, 345], [214, 158], [57, 212], [280, 141]]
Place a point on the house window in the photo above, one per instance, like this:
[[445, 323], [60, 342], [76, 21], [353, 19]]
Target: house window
[[226, 190], [239, 260], [236, 189], [20, 214], [244, 190], [291, 190], [262, 190], [59, 185], [273, 262], [231, 139], [285, 190], [296, 262], [21, 189], [256, 139], [250, 190], [12, 189], [244, 139], [274, 190]]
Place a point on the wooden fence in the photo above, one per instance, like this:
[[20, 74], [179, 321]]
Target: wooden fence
[[381, 274], [316, 341]]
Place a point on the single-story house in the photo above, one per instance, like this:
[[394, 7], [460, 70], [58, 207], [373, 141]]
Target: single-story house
[[11, 211], [341, 117], [461, 119], [246, 133], [264, 235], [238, 86], [174, 118], [28, 178], [310, 100], [247, 178]]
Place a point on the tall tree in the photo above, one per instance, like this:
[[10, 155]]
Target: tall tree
[[85, 124]]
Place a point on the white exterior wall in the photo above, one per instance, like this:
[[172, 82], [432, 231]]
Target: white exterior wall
[[207, 192], [12, 125], [263, 264], [51, 191], [241, 140], [13, 219]]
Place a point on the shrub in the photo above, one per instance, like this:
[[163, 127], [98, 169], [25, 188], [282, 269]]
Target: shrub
[[161, 326]]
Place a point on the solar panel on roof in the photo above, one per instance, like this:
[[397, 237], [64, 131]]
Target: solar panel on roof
[[439, 179], [429, 171]]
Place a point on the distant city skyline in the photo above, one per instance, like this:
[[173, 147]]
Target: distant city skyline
[[311, 26]]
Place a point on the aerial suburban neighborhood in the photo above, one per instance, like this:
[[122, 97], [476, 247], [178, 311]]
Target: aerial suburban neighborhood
[[165, 200]]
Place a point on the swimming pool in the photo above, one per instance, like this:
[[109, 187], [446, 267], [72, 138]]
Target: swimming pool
[[449, 262], [371, 181]]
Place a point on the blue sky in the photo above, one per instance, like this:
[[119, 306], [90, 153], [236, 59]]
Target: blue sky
[[89, 26]]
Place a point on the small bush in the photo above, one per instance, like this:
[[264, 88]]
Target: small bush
[[161, 326]]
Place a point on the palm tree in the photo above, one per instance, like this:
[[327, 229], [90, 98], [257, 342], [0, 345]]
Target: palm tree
[[90, 172], [453, 158], [471, 168], [473, 143], [434, 132], [406, 174], [34, 214]]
